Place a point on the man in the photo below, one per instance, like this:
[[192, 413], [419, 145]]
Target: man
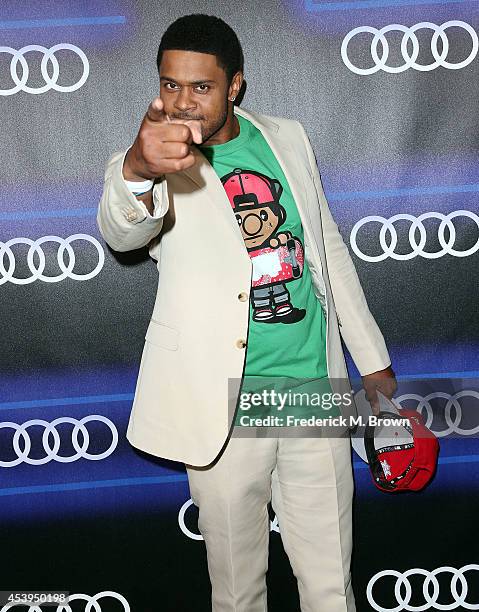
[[254, 279]]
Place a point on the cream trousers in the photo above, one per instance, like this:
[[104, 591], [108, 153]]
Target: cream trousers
[[309, 482]]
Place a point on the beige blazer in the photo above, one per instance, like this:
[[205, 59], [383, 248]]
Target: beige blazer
[[196, 338]]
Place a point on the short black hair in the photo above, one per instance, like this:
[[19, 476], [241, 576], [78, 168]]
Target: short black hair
[[204, 34]]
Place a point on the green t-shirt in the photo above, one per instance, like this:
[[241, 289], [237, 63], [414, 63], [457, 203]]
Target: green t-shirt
[[287, 328]]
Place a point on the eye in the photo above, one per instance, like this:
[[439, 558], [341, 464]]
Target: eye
[[203, 88], [172, 84], [263, 215], [238, 218]]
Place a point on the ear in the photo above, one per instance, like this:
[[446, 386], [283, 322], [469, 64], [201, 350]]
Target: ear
[[235, 85]]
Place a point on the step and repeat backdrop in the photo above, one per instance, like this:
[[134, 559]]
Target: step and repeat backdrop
[[387, 91]]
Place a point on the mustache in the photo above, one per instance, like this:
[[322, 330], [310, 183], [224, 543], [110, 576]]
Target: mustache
[[184, 118]]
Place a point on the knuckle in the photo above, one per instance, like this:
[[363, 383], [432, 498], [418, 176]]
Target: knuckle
[[143, 136], [185, 132]]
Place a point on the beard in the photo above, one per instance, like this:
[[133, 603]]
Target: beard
[[213, 126]]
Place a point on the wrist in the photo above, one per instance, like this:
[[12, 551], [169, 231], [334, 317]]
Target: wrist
[[139, 188], [137, 184], [130, 171], [388, 371]]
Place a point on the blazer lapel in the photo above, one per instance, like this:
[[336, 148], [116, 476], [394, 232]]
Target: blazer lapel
[[287, 160], [205, 178]]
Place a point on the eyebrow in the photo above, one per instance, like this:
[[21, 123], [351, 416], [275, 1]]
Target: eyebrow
[[199, 82]]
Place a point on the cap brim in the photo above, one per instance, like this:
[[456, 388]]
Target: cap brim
[[365, 411]]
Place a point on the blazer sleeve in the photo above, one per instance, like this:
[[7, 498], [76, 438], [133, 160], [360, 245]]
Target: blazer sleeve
[[358, 328], [124, 222]]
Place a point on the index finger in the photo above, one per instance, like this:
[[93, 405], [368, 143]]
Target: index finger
[[156, 111]]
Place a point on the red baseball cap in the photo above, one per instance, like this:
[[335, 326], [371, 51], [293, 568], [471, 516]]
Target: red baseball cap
[[401, 451]]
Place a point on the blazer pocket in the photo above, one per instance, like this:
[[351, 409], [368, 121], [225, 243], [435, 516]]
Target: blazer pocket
[[162, 335]]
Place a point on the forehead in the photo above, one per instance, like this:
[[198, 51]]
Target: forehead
[[190, 66]]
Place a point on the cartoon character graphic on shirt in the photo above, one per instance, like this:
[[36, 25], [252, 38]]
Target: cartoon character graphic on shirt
[[277, 256]]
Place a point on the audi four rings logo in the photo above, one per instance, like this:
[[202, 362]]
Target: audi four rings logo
[[452, 400], [197, 536], [92, 604], [51, 82], [52, 451], [387, 226], [7, 274], [409, 34], [402, 587]]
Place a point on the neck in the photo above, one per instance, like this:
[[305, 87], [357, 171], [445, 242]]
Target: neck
[[230, 130]]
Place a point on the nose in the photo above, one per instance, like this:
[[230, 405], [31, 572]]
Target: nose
[[252, 224], [183, 101]]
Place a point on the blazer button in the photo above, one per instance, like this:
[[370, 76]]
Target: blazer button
[[241, 344], [242, 297]]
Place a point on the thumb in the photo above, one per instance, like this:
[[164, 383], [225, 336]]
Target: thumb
[[156, 111], [195, 127], [373, 399]]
